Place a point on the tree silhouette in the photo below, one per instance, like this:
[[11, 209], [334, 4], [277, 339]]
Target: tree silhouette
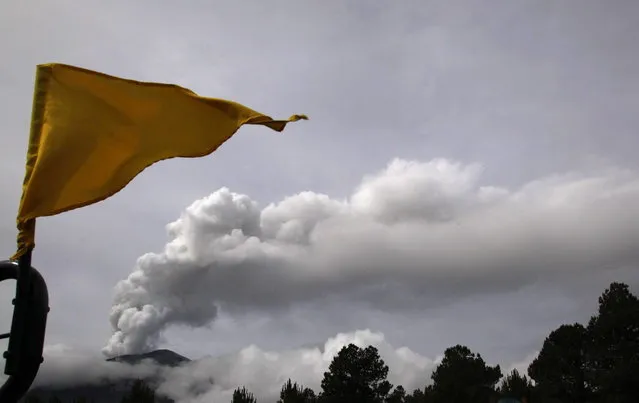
[[243, 396], [416, 397], [356, 375], [398, 395], [514, 385], [613, 345], [558, 370], [293, 393], [421, 396], [140, 392], [463, 377], [594, 364]]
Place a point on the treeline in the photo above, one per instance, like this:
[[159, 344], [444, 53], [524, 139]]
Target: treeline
[[595, 363]]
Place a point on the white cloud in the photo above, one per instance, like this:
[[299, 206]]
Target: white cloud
[[65, 366], [413, 235], [480, 87], [262, 372]]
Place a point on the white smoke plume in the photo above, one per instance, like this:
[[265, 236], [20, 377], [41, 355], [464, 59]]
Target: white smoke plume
[[411, 236]]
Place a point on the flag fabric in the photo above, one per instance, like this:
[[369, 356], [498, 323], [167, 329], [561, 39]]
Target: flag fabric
[[92, 133]]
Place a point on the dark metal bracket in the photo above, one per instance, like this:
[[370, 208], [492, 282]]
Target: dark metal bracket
[[26, 338]]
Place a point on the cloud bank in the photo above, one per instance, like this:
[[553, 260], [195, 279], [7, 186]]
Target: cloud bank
[[65, 366], [214, 378], [412, 236]]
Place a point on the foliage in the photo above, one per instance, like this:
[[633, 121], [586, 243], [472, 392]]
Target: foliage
[[243, 396], [515, 385], [398, 395], [463, 376], [356, 375], [293, 393], [612, 349], [558, 370], [418, 396], [140, 392], [598, 363]]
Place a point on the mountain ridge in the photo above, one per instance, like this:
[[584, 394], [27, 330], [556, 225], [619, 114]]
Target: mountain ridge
[[113, 391], [162, 357]]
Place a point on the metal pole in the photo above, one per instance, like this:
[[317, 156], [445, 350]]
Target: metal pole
[[26, 339], [21, 305]]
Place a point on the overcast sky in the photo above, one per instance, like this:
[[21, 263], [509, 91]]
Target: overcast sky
[[468, 175]]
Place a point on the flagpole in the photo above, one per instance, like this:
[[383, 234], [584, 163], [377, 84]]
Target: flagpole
[[28, 327], [21, 305]]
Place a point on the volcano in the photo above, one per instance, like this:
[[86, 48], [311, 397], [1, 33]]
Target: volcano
[[113, 391], [166, 358]]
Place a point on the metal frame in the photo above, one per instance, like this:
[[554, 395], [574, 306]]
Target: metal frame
[[26, 339]]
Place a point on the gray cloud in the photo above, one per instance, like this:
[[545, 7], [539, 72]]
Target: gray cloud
[[214, 378], [264, 372], [412, 236], [66, 366], [530, 87]]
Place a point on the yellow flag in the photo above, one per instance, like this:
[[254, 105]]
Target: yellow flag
[[91, 134]]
